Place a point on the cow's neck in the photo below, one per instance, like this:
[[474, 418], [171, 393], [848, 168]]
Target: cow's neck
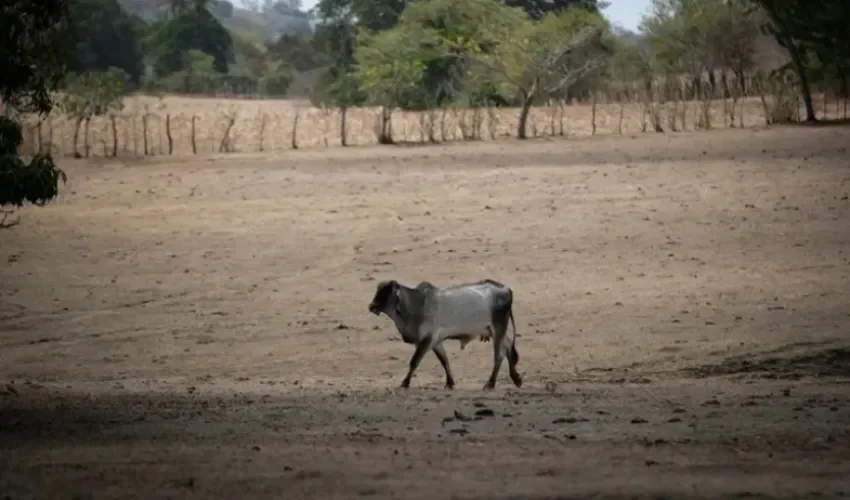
[[406, 316]]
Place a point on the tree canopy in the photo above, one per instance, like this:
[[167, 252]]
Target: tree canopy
[[106, 35], [33, 60]]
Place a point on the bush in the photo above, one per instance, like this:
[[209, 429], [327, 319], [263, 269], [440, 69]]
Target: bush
[[276, 84]]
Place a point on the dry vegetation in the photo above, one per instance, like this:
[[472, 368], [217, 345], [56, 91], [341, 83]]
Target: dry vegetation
[[198, 328], [234, 125]]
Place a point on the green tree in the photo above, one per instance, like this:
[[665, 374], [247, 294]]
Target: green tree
[[697, 37], [336, 35], [818, 26], [448, 75], [276, 80], [533, 58], [336, 85], [249, 55], [182, 7], [105, 35], [678, 33], [296, 52], [33, 57], [199, 75], [373, 15], [390, 70], [95, 93], [537, 9], [170, 42]]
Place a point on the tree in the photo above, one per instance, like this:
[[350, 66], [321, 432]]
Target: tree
[[390, 70], [33, 58], [537, 9], [337, 85], [182, 7], [276, 81], [631, 60], [373, 15], [170, 42], [249, 55], [697, 37], [678, 33], [95, 93], [819, 26], [336, 32], [733, 38], [198, 76], [105, 35], [296, 52], [532, 58]]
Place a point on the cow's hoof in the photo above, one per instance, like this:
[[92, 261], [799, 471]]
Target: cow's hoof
[[450, 386], [405, 384], [489, 387], [517, 381]]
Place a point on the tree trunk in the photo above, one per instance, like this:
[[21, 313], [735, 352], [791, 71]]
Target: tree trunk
[[712, 81], [342, 124], [804, 80], [796, 60], [523, 117], [77, 137], [386, 134], [86, 145], [727, 93], [742, 82], [171, 140], [114, 136], [527, 100]]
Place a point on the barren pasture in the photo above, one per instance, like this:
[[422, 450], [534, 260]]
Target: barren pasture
[[199, 329]]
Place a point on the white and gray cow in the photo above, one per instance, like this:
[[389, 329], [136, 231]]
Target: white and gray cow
[[427, 315]]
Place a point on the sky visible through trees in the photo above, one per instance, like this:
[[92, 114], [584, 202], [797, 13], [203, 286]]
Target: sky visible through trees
[[626, 13]]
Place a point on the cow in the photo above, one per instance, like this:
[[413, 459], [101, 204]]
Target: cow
[[427, 315]]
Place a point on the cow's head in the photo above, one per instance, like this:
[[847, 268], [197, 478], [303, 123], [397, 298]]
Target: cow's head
[[385, 299]]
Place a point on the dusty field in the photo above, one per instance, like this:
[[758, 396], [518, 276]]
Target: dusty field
[[199, 329]]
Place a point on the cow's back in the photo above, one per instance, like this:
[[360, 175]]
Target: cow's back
[[463, 308]]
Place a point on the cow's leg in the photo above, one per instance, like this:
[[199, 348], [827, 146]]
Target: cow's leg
[[513, 359], [444, 360], [422, 347], [500, 327]]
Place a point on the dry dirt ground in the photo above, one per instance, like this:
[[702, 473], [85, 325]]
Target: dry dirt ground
[[198, 328]]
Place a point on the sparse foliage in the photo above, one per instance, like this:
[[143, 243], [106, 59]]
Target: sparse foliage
[[95, 93]]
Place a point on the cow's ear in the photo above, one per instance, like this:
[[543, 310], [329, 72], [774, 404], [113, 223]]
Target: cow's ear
[[387, 287]]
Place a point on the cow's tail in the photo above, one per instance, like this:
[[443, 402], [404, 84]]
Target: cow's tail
[[514, 353]]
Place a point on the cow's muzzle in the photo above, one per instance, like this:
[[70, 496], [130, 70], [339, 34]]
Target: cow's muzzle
[[374, 309]]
